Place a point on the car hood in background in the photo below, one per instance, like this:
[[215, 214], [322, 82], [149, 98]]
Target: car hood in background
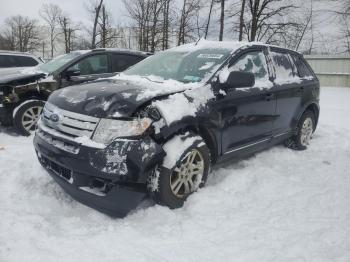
[[20, 75], [110, 98]]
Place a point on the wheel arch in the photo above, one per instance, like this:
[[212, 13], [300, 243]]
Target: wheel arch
[[199, 129], [32, 95], [314, 108]]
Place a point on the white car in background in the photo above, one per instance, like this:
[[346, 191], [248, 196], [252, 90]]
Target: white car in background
[[18, 59]]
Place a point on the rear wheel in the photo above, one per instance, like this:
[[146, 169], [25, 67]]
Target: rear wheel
[[189, 172], [306, 127], [27, 115]]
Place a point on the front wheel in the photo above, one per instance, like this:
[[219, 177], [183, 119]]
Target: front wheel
[[26, 116], [306, 128], [182, 173]]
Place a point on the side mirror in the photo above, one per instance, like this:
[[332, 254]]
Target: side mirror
[[72, 72], [239, 79]]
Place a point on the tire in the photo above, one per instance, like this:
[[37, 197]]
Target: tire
[[26, 116], [165, 178], [305, 130]]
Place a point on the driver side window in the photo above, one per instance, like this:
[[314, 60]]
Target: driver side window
[[96, 64], [253, 62]]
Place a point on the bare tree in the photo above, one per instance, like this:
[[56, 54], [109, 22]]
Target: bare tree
[[189, 20], [222, 19], [96, 13], [208, 20], [105, 30], [263, 22], [20, 33], [241, 20], [51, 14], [305, 26], [68, 30], [344, 19], [139, 12], [166, 24]]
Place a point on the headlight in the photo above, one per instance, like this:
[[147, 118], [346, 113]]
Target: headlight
[[109, 129]]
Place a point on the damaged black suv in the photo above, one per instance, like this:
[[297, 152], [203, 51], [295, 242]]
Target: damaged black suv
[[23, 91], [158, 127]]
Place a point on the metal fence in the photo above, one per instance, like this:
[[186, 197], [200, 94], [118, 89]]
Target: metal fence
[[331, 70]]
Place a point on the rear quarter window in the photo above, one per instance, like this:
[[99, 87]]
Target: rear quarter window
[[285, 70], [303, 69]]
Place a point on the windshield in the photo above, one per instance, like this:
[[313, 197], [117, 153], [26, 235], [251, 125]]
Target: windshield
[[187, 66], [57, 62]]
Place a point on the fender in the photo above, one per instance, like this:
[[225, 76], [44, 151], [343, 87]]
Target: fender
[[203, 128], [313, 106]]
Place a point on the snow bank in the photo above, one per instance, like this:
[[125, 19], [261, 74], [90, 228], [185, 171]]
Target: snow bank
[[279, 205]]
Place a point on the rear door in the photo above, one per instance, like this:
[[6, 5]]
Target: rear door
[[288, 90], [248, 113]]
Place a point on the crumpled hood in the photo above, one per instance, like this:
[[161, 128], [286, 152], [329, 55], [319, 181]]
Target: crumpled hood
[[20, 75], [110, 98]]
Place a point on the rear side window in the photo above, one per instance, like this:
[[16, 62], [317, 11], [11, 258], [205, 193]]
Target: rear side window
[[25, 61], [303, 70], [6, 61], [283, 66], [17, 61], [121, 62]]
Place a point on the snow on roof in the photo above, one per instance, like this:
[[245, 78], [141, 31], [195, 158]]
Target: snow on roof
[[231, 45], [202, 44]]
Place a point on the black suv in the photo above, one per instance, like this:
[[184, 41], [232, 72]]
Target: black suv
[[158, 127], [23, 92]]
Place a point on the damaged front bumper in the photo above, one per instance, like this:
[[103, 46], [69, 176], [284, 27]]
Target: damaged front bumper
[[111, 180]]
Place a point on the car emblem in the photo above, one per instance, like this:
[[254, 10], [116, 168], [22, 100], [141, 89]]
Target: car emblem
[[54, 118]]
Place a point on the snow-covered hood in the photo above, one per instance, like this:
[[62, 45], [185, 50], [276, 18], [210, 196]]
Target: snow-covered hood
[[109, 98], [19, 75]]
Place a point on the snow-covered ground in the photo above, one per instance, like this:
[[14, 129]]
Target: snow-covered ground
[[279, 205]]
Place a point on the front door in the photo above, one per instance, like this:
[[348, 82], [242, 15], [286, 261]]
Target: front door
[[248, 113], [90, 68]]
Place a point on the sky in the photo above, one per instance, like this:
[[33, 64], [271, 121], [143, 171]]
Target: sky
[[326, 28], [75, 8]]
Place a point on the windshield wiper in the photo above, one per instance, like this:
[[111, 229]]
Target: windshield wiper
[[146, 77]]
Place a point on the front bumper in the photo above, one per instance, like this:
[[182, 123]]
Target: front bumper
[[111, 180]]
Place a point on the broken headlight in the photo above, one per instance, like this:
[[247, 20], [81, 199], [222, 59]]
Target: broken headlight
[[109, 129]]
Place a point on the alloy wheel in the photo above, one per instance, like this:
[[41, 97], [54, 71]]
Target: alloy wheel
[[30, 117], [306, 131], [187, 176]]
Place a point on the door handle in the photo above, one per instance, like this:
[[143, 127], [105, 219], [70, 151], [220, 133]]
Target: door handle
[[269, 97]]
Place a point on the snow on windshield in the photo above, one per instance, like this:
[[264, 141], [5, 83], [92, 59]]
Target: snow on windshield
[[187, 66]]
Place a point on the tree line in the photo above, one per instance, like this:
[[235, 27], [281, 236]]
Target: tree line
[[160, 24]]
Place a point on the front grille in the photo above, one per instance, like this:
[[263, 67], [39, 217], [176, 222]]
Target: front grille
[[68, 123], [57, 142], [59, 170]]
